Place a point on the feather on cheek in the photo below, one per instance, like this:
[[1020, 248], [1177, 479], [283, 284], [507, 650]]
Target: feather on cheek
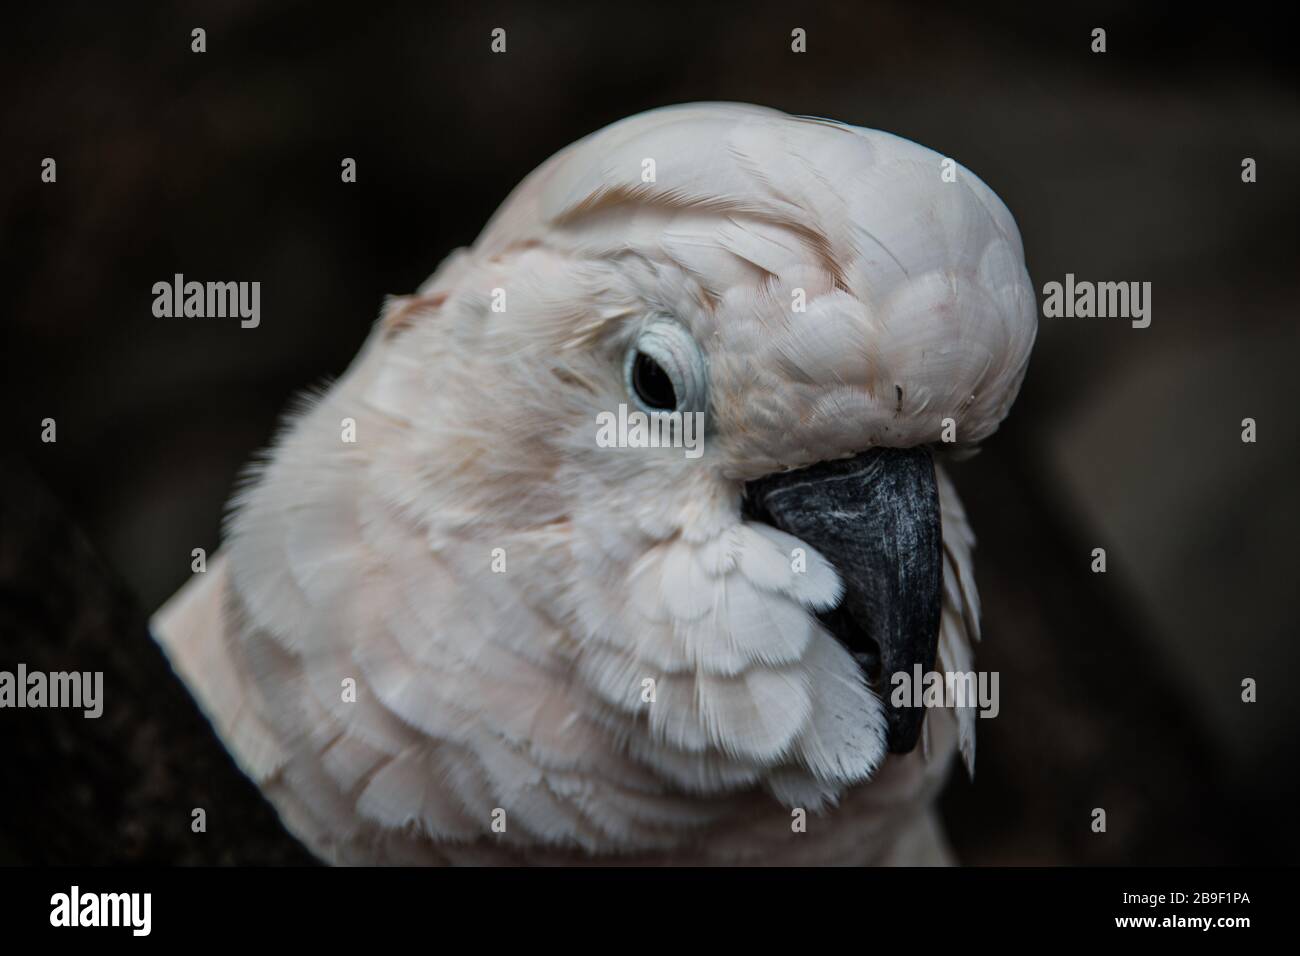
[[714, 650]]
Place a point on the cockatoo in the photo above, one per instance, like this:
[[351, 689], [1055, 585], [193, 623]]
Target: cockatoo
[[447, 625]]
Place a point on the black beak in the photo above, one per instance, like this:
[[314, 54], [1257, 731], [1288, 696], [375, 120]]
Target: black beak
[[876, 518]]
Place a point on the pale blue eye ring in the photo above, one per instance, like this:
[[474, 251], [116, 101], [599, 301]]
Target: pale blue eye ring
[[664, 370]]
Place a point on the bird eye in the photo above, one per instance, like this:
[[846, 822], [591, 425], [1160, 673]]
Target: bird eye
[[664, 369], [652, 384]]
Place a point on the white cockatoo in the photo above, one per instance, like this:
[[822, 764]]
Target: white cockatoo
[[449, 625]]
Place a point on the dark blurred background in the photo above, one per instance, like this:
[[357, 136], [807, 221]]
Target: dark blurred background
[[1119, 690]]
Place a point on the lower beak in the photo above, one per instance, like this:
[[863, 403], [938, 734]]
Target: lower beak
[[875, 517]]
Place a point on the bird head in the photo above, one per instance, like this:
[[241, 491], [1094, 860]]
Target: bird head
[[818, 310]]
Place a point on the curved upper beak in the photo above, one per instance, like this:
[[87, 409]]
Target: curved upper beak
[[876, 518]]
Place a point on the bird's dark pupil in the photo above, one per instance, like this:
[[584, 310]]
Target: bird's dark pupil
[[652, 383]]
